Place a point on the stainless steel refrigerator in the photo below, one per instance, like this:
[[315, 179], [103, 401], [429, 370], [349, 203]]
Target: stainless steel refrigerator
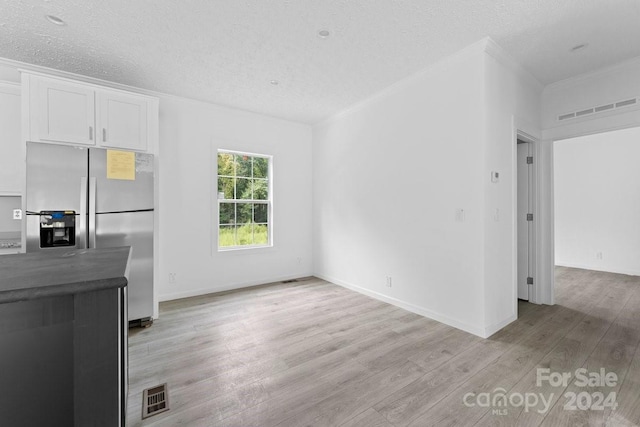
[[80, 197]]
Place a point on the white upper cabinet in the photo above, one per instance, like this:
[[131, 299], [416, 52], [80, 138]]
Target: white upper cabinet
[[11, 155], [122, 121], [65, 111]]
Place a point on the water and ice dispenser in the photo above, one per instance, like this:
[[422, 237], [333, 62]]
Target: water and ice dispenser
[[57, 228]]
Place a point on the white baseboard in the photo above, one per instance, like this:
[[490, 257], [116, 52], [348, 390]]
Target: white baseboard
[[478, 331], [483, 332], [492, 329], [226, 287], [598, 268]]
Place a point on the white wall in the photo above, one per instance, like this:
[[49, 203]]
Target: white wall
[[512, 104], [389, 176], [190, 135], [597, 203], [7, 223]]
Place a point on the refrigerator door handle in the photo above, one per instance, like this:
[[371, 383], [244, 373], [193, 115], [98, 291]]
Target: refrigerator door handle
[[92, 212], [81, 233]]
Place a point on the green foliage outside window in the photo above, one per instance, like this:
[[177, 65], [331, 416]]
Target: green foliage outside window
[[243, 200]]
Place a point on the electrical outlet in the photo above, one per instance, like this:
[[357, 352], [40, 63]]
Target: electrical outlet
[[389, 282], [17, 214], [299, 260], [172, 277], [599, 255]]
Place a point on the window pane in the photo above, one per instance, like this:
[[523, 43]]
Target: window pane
[[260, 167], [243, 165], [260, 189], [227, 213], [241, 179], [225, 164], [227, 236], [243, 189], [245, 213], [260, 212], [244, 234], [260, 234], [225, 185]]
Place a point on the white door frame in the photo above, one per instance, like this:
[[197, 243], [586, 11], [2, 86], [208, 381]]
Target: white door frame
[[528, 138], [529, 132], [545, 237], [524, 142]]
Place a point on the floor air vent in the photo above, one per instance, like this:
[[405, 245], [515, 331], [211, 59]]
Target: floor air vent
[[290, 281], [155, 400]]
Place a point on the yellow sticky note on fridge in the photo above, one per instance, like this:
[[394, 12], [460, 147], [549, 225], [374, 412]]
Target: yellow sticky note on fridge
[[121, 165]]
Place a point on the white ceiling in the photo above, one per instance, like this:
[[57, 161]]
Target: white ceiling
[[227, 52]]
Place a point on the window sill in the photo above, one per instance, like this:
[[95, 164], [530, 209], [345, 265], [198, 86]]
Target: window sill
[[245, 250]]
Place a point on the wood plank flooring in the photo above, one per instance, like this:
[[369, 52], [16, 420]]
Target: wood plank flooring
[[311, 353]]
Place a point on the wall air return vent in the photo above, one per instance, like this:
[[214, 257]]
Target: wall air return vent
[[605, 107], [599, 109], [625, 103], [567, 116], [584, 112]]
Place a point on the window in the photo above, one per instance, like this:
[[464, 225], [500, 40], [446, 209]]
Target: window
[[244, 200]]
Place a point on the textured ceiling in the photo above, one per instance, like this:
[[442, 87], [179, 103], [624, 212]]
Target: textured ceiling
[[227, 52]]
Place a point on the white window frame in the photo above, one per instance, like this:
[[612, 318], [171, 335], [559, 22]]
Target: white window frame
[[268, 201]]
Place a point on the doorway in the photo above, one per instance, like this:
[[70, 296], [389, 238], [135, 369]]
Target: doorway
[[525, 217], [596, 204]]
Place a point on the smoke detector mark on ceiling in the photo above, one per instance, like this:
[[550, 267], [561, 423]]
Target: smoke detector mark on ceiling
[[55, 20], [579, 47], [323, 34]]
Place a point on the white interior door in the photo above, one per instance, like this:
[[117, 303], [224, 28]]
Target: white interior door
[[525, 230]]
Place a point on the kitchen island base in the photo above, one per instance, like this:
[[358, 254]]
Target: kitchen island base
[[63, 346]]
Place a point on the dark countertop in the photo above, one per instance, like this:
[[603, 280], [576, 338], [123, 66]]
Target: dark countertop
[[59, 272]]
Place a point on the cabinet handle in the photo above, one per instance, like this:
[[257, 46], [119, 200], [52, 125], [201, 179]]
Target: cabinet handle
[[104, 135], [90, 133]]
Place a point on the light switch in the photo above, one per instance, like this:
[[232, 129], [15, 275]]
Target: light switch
[[460, 215], [495, 176]]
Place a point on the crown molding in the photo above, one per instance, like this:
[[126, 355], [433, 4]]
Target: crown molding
[[484, 45], [502, 56], [475, 48], [52, 72]]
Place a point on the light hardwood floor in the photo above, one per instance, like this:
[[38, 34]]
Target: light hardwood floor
[[313, 353]]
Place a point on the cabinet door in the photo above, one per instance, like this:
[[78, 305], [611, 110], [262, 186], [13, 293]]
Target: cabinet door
[[63, 112], [11, 156], [122, 121]]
